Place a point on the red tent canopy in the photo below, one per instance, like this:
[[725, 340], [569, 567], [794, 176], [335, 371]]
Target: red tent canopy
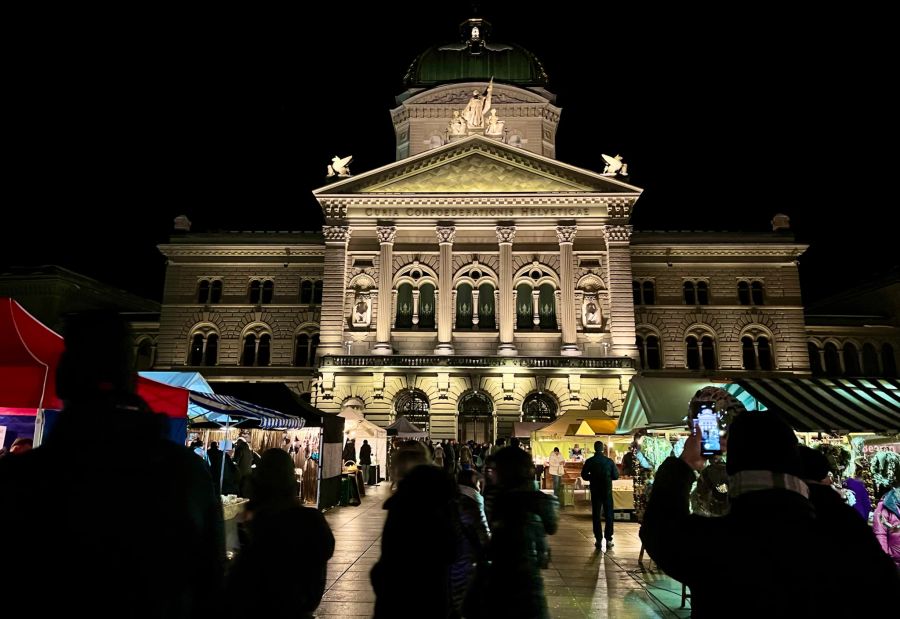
[[29, 354]]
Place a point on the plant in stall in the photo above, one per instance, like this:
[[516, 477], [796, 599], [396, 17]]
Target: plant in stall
[[838, 458]]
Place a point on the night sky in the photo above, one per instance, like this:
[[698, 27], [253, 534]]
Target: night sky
[[120, 122]]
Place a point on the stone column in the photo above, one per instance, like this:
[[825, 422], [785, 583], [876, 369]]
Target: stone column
[[566, 236], [331, 332], [386, 236], [445, 236], [505, 236], [621, 301]]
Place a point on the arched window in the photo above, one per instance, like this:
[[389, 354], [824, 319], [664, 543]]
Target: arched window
[[144, 357], [851, 360], [487, 318], [313, 348], [702, 293], [764, 354], [654, 357], [427, 308], [648, 348], [255, 290], [524, 307], [708, 353], [690, 295], [204, 348], [203, 291], [264, 350], [404, 307], [870, 360], [211, 355], [301, 351], [601, 404], [748, 354], [888, 361], [636, 292], [649, 290], [268, 291], [464, 307], [547, 306], [249, 355], [692, 352], [306, 292], [756, 292], [832, 360], [317, 292], [475, 404], [539, 407], [744, 293], [215, 291], [815, 359], [413, 404]]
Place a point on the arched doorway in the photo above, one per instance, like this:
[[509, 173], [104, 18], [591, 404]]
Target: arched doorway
[[476, 418], [414, 405]]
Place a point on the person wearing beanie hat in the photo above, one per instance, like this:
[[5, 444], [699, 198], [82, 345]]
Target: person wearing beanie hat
[[768, 556], [836, 520], [137, 533]]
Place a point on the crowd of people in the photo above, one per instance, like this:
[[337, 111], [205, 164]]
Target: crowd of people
[[88, 534]]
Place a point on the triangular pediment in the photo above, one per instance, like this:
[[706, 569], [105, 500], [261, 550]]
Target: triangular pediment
[[478, 165]]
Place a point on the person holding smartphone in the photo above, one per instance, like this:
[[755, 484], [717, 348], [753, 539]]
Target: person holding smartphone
[[769, 556]]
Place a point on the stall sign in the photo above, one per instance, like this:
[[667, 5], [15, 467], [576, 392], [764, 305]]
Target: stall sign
[[873, 449]]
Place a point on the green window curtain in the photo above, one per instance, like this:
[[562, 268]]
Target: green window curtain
[[486, 314], [404, 306], [464, 307], [547, 306], [427, 308], [524, 309]]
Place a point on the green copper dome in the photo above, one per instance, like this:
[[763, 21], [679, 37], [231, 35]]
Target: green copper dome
[[476, 58]]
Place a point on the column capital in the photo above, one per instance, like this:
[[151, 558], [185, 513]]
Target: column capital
[[336, 234], [566, 234], [386, 234], [445, 234], [617, 234], [506, 234]]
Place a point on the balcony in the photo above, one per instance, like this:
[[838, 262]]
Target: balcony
[[437, 361]]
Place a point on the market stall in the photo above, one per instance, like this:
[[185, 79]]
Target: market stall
[[357, 429], [403, 428]]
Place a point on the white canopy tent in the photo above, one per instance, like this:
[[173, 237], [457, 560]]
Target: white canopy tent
[[357, 427]]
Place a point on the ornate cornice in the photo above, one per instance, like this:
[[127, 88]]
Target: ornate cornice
[[732, 249], [617, 234], [386, 234], [566, 234], [241, 251], [336, 234], [506, 234], [445, 234]]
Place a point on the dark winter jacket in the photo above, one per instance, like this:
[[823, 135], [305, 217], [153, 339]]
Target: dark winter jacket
[[599, 471], [110, 519], [422, 515], [777, 558], [365, 454], [515, 587], [280, 571]]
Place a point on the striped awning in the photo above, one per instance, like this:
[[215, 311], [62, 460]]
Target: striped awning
[[228, 410], [831, 404]]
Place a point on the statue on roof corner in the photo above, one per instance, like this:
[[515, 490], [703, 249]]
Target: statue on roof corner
[[478, 106], [614, 166], [339, 167]]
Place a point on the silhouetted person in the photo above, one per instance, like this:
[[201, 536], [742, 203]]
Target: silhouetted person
[[854, 543], [520, 519], [280, 570], [365, 460], [98, 532], [421, 518], [777, 561], [225, 479], [473, 542], [600, 471], [243, 461]]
